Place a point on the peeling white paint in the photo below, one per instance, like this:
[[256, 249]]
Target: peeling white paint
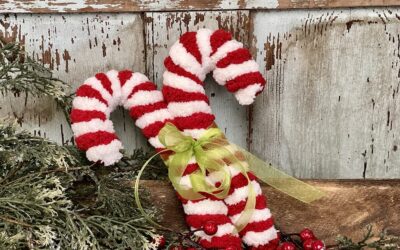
[[332, 106], [22, 6], [94, 43]]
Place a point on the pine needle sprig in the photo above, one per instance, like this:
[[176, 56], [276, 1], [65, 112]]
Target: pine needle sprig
[[21, 74], [51, 198], [383, 242]]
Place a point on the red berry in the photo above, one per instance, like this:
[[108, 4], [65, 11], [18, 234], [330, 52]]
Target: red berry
[[287, 246], [191, 248], [161, 243], [306, 234], [318, 245], [210, 228], [307, 244]]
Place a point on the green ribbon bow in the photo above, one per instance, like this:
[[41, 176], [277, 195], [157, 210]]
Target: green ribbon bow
[[215, 155], [208, 152]]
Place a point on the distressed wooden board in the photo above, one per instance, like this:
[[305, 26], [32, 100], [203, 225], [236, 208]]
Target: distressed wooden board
[[332, 108], [163, 29], [348, 208], [79, 6], [75, 47]]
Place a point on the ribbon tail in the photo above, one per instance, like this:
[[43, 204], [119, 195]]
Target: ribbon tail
[[136, 190], [248, 211], [282, 181]]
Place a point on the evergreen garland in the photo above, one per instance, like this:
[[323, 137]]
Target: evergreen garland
[[51, 197], [21, 74], [41, 204]]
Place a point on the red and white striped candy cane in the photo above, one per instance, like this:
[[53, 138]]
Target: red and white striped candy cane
[[189, 60], [99, 96], [94, 132]]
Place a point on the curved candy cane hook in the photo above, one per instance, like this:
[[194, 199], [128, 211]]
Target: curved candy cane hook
[[99, 96], [190, 59]]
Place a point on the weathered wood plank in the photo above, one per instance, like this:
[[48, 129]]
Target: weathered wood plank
[[80, 6], [332, 106], [348, 207], [164, 28], [75, 47]]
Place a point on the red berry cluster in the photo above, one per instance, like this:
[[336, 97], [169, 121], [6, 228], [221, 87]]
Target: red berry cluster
[[310, 242], [307, 241]]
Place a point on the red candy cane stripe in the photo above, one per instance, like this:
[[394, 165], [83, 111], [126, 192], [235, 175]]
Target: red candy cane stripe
[[190, 59], [99, 96]]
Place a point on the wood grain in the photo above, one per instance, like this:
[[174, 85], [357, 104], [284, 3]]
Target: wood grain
[[163, 29], [107, 6], [348, 207], [331, 109], [75, 48]]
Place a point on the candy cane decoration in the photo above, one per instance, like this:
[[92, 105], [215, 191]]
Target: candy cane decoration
[[94, 132], [190, 59], [99, 96]]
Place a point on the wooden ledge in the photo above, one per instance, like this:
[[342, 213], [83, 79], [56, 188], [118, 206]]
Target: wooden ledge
[[349, 206]]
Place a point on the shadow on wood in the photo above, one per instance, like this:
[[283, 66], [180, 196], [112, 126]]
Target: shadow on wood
[[346, 210]]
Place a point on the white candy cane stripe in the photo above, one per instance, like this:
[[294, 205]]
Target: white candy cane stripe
[[234, 171], [181, 57], [115, 84], [223, 229], [221, 75], [205, 206], [241, 194], [96, 84], [135, 80], [179, 82], [203, 42], [91, 126], [144, 97], [258, 215], [260, 238], [87, 103], [182, 109], [152, 117], [223, 51], [155, 142], [246, 96], [195, 133], [108, 154]]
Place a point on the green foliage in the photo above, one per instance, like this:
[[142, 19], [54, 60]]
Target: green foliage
[[50, 197], [21, 74], [383, 242]]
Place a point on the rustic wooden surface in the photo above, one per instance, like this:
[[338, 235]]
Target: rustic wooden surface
[[75, 48], [348, 208], [79, 6], [164, 28], [332, 106]]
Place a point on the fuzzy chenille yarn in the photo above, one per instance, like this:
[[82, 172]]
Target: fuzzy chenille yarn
[[190, 59]]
